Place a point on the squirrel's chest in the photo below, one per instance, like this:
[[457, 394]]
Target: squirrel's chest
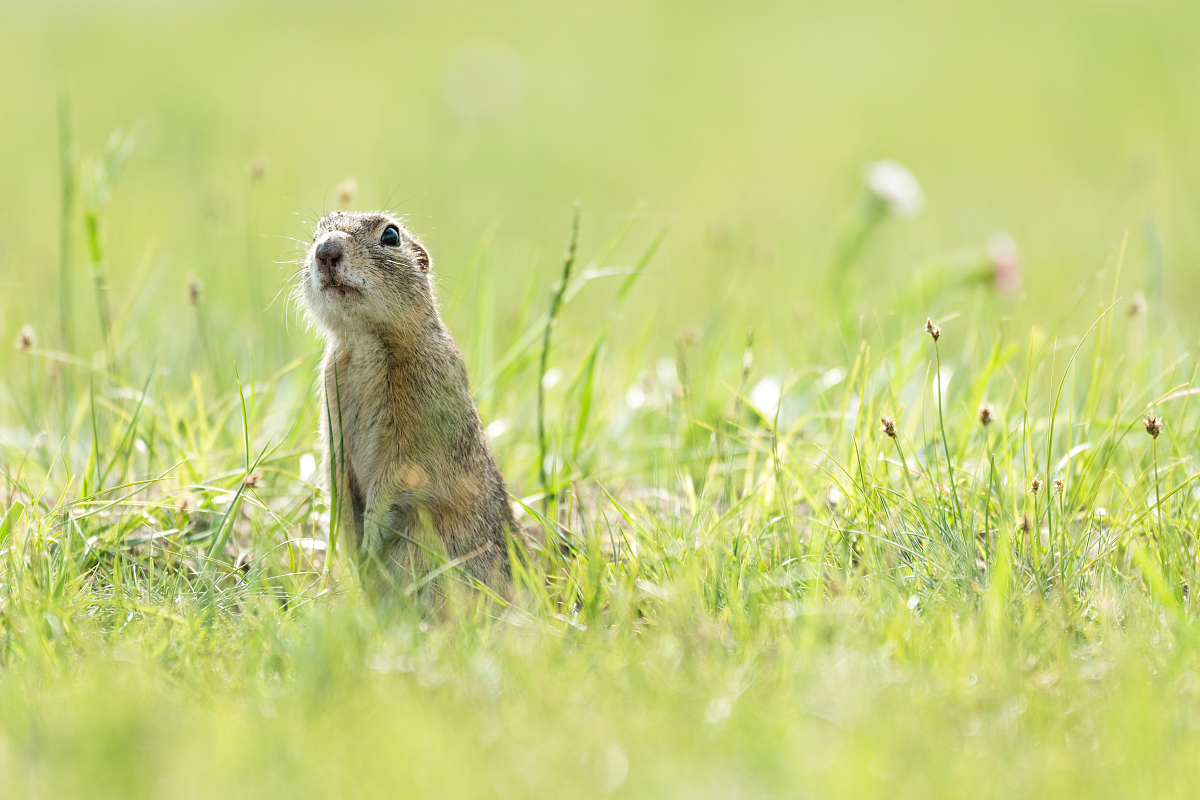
[[371, 436], [387, 419], [374, 425]]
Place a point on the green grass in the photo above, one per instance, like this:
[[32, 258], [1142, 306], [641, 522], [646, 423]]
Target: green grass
[[756, 591]]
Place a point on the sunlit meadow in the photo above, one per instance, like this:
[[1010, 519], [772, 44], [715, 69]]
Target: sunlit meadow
[[856, 444]]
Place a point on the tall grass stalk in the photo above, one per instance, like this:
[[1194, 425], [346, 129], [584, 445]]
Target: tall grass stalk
[[99, 178], [195, 294], [556, 299], [68, 180], [1162, 542], [960, 522], [256, 172]]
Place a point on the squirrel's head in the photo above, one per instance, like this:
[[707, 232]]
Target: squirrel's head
[[366, 272]]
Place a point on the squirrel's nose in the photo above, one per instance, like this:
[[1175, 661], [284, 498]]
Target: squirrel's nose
[[329, 255]]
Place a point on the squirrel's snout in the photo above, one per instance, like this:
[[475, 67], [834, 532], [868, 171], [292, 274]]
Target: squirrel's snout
[[329, 257]]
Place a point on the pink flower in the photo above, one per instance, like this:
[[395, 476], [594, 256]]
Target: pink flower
[[1006, 261]]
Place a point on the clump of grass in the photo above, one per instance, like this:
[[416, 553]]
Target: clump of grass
[[726, 572]]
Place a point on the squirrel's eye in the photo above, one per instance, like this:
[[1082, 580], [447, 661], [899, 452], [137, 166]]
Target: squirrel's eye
[[391, 236]]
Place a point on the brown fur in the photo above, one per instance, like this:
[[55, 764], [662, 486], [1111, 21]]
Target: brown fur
[[399, 424]]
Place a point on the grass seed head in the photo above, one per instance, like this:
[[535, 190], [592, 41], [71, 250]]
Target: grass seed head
[[1059, 486], [1137, 305], [1153, 426], [194, 289], [889, 426], [253, 480], [931, 329], [346, 192], [1036, 485], [26, 338], [256, 168], [185, 504], [987, 413]]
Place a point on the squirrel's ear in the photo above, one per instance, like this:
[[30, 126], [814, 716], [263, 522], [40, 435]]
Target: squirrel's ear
[[420, 256]]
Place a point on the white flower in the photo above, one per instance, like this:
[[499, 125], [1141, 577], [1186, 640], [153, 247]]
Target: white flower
[[308, 467], [635, 398], [831, 378], [892, 183], [668, 374], [765, 397]]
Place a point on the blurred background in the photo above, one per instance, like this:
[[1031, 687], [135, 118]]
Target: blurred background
[[162, 165], [743, 126]]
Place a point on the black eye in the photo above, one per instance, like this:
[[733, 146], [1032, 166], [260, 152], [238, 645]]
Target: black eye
[[391, 236]]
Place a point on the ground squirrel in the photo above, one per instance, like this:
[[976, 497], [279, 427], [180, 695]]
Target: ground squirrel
[[399, 428]]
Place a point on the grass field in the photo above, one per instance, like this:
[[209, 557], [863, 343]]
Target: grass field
[[758, 591]]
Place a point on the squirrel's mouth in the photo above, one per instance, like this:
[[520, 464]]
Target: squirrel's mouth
[[332, 285], [341, 290]]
